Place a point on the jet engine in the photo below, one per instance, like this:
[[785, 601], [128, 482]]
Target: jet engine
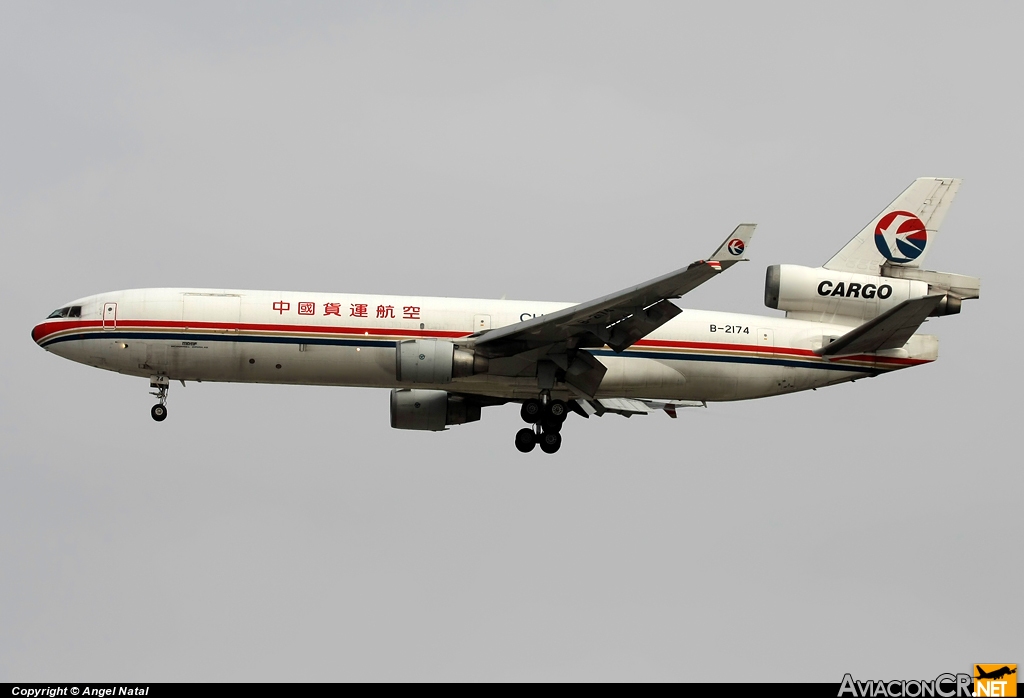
[[430, 410], [432, 361], [808, 293]]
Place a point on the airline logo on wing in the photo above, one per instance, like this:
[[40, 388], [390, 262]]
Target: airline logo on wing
[[900, 236]]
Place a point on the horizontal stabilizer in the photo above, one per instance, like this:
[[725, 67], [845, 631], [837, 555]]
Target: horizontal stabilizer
[[890, 330]]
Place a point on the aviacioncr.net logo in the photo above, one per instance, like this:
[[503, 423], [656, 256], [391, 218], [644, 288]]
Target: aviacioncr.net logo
[[943, 686], [995, 680]]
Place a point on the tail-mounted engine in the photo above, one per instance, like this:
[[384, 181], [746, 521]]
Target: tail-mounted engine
[[809, 293], [433, 361]]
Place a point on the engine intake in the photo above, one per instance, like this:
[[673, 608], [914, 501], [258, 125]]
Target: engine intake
[[430, 410]]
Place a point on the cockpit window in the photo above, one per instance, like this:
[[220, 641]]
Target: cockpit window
[[70, 311]]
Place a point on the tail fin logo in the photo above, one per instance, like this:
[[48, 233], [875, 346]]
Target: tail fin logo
[[736, 247], [900, 236]]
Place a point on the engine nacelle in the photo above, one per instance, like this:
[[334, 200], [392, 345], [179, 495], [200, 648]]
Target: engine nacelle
[[433, 361], [430, 410], [810, 293]]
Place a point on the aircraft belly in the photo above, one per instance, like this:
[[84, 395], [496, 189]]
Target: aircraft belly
[[303, 364], [691, 379], [754, 381], [237, 362], [89, 352], [672, 379], [646, 378]]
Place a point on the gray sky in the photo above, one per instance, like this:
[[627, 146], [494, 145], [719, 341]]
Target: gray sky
[[553, 151]]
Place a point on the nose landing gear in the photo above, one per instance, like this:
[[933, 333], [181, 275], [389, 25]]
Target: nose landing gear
[[160, 385]]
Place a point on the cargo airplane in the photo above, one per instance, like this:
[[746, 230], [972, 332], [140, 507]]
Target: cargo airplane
[[627, 353]]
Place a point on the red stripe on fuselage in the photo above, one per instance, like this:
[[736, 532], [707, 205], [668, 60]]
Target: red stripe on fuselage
[[43, 330]]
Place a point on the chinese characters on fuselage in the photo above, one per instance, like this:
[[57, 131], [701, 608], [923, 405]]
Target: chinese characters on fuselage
[[361, 310]]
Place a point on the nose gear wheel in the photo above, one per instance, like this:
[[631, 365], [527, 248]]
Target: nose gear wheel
[[160, 385]]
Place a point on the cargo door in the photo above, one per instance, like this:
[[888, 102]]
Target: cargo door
[[212, 312]]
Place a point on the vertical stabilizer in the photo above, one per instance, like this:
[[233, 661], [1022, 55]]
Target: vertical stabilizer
[[902, 234]]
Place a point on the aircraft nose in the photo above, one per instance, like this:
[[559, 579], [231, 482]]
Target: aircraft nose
[[37, 332]]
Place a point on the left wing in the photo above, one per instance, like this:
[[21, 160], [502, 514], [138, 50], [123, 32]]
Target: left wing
[[619, 319]]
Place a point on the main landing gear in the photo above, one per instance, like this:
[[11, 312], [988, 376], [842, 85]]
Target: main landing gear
[[546, 416], [160, 385]]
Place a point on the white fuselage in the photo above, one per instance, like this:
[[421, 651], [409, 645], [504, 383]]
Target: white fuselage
[[349, 340]]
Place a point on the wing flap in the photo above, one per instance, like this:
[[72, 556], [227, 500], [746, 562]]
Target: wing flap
[[623, 334]]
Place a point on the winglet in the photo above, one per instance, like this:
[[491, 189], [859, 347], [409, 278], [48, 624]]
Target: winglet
[[735, 245]]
